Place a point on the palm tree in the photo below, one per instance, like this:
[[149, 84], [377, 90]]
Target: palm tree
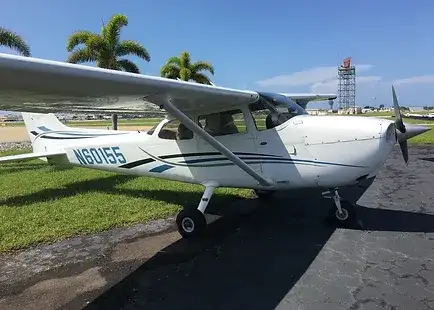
[[182, 68], [14, 41], [106, 48]]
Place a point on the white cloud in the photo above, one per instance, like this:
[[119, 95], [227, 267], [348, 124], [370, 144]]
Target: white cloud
[[370, 89], [331, 86], [422, 79], [307, 77]]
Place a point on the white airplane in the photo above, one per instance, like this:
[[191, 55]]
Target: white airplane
[[213, 136], [419, 116]]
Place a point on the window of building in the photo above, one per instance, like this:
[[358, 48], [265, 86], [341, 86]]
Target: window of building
[[223, 123]]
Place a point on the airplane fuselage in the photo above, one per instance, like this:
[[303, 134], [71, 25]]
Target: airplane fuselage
[[303, 152]]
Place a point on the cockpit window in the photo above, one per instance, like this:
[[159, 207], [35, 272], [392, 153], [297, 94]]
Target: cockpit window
[[223, 123], [283, 104], [175, 130], [272, 110], [152, 130]]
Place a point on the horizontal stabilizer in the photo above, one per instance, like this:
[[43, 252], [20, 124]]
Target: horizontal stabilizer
[[29, 156], [303, 99]]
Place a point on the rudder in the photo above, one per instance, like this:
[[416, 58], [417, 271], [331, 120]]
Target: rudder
[[47, 133], [37, 123]]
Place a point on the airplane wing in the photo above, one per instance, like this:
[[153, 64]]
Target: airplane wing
[[29, 156], [26, 82], [53, 85], [304, 99]]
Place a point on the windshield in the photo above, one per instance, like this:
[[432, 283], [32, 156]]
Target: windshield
[[151, 131], [279, 108], [282, 104]]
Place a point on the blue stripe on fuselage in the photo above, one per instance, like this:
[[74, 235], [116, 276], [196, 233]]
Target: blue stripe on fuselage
[[161, 168], [248, 160], [264, 159]]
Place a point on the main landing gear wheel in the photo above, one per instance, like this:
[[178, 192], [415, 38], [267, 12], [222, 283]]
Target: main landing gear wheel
[[191, 223]]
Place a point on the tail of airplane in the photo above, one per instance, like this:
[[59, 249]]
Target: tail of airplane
[[38, 123], [47, 133], [50, 137]]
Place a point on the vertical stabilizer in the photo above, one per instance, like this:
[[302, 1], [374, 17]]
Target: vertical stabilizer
[[37, 123], [47, 133]]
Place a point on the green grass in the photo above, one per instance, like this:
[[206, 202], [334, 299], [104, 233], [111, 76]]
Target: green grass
[[372, 114], [41, 203], [423, 139], [426, 138]]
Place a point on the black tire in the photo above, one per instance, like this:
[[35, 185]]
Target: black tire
[[191, 223], [342, 216], [348, 218], [263, 194]]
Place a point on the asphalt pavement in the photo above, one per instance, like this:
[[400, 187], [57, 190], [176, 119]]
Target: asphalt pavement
[[275, 254]]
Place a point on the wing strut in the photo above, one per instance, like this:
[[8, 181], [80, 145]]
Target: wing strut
[[169, 107]]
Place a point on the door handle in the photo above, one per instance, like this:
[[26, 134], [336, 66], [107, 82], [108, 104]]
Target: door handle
[[263, 143]]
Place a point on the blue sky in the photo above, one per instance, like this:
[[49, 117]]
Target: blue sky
[[274, 45]]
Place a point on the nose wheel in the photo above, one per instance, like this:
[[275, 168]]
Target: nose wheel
[[342, 215], [343, 211]]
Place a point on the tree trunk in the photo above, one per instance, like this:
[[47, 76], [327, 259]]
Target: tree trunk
[[114, 121]]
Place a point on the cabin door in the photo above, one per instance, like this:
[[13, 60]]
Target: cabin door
[[230, 129], [277, 162]]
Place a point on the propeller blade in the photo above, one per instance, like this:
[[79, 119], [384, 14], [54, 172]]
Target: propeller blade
[[404, 150], [398, 117], [401, 130], [402, 133]]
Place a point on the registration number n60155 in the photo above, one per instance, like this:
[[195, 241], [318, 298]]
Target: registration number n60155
[[100, 155]]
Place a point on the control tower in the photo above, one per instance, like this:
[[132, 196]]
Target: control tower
[[347, 85]]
